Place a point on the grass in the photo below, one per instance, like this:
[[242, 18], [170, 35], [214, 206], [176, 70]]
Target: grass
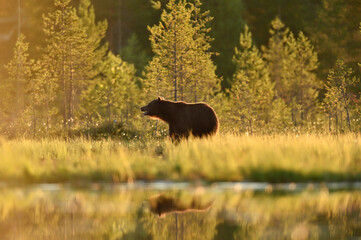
[[279, 158]]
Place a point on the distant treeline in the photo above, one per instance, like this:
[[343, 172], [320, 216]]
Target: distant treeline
[[73, 81]]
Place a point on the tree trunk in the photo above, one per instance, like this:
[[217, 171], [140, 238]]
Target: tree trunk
[[65, 115], [181, 80], [109, 105], [348, 118], [336, 119], [71, 104], [47, 109], [341, 122], [34, 120], [71, 91], [195, 90], [18, 74], [175, 65]]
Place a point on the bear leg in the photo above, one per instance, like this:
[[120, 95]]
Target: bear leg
[[177, 133]]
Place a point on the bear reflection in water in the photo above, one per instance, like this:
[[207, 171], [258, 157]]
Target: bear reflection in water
[[162, 205], [184, 119]]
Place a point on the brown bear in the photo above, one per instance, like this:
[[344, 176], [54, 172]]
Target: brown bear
[[198, 119], [162, 205]]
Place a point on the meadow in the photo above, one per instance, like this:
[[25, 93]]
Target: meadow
[[226, 157]]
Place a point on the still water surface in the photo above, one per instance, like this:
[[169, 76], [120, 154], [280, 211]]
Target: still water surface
[[165, 210]]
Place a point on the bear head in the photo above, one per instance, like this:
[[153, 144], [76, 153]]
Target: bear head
[[153, 109]]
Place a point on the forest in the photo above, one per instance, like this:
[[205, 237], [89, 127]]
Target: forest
[[79, 160], [84, 68]]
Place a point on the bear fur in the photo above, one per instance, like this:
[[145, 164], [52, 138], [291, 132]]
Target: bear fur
[[162, 205], [197, 119]]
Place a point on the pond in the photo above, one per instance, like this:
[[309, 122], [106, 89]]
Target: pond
[[166, 210]]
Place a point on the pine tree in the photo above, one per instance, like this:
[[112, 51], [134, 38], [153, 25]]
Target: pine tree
[[20, 73], [67, 55], [181, 63], [275, 55], [244, 103], [171, 41], [300, 65], [134, 54], [339, 97], [43, 95], [226, 26], [252, 91], [95, 33], [292, 62], [19, 70], [333, 30], [204, 79], [114, 97], [360, 32]]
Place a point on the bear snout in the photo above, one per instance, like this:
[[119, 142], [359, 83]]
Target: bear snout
[[144, 110]]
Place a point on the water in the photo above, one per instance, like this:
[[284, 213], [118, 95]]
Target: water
[[166, 210]]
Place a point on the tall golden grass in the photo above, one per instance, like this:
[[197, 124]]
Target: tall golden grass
[[228, 157]]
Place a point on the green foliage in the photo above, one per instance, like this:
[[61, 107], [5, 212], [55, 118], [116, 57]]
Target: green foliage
[[19, 70], [16, 97], [95, 34], [113, 130], [300, 75], [228, 22], [359, 64], [114, 96], [156, 4], [333, 31], [252, 91], [42, 94], [67, 55], [75, 83], [182, 68], [292, 63], [339, 97], [133, 53], [275, 55]]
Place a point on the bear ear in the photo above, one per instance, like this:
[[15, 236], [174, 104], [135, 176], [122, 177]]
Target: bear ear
[[160, 98]]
